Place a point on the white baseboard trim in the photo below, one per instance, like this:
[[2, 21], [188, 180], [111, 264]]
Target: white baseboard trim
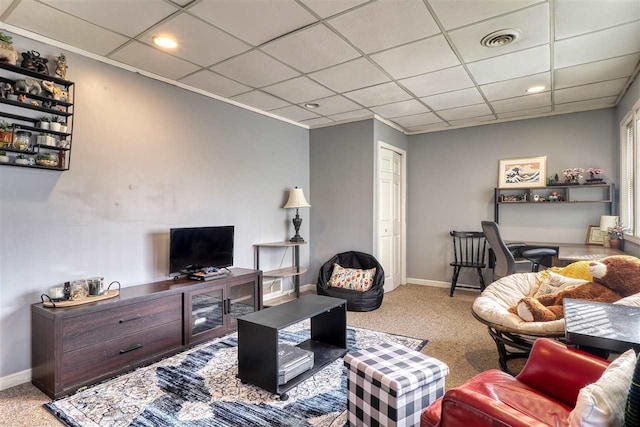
[[278, 294], [438, 284], [15, 379]]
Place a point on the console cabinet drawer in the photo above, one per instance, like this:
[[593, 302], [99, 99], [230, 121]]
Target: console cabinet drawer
[[90, 329], [90, 362]]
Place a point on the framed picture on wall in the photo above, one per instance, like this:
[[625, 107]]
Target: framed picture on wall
[[595, 236], [523, 172]]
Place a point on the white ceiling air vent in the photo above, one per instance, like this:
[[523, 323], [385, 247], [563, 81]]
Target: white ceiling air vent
[[500, 38]]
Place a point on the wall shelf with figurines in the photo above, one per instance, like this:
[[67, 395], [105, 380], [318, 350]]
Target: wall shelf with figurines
[[27, 90]]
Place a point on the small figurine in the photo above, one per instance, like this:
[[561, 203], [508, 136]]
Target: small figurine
[[35, 103], [5, 90], [61, 66], [22, 98], [32, 61]]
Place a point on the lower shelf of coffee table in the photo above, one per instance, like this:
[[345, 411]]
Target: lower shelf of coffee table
[[323, 355]]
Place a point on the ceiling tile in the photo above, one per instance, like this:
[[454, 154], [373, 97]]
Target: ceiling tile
[[511, 65], [126, 17], [377, 95], [472, 121], [59, 26], [590, 91], [439, 126], [254, 21], [592, 15], [299, 90], [153, 60], [532, 22], [399, 109], [522, 103], [198, 42], [311, 49], [454, 14], [384, 24], [182, 2], [594, 72], [604, 44], [357, 114], [418, 120], [255, 69], [417, 58], [525, 113], [294, 113], [318, 121], [458, 98], [515, 87], [260, 100], [334, 105], [350, 75], [215, 83], [326, 8], [465, 112], [4, 5], [606, 102], [438, 82]]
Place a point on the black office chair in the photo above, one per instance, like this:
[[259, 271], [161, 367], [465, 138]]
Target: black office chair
[[505, 260], [469, 248]]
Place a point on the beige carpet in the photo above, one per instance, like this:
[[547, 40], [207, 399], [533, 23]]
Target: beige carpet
[[416, 311]]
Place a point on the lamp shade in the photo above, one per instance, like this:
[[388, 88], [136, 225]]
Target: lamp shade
[[296, 199], [607, 222]]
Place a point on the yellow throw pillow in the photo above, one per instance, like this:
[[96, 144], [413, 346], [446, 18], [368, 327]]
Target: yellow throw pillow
[[351, 278], [577, 270]]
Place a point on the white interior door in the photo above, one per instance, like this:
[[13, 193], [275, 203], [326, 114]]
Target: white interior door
[[390, 216]]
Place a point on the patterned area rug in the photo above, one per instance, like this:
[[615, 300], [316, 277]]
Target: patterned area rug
[[199, 388]]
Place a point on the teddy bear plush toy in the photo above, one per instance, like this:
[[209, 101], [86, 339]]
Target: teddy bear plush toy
[[614, 278]]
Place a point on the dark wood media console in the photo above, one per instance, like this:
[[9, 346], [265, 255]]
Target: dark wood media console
[[78, 346]]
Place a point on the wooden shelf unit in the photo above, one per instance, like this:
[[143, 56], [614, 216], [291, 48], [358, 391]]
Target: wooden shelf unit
[[294, 271]]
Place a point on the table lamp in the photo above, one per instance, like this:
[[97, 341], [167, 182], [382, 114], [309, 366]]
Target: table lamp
[[296, 201], [607, 222]]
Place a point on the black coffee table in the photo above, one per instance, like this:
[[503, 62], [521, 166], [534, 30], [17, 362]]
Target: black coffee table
[[258, 339], [596, 325]]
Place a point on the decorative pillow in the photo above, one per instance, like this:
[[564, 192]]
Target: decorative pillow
[[576, 270], [632, 410], [602, 403], [351, 278], [555, 282]]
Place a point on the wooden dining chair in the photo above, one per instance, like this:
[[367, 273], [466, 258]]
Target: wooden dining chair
[[469, 248]]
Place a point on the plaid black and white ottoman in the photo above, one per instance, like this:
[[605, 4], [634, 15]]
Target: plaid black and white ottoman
[[389, 385]]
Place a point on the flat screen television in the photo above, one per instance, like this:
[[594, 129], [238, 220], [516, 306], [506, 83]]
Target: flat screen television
[[198, 247]]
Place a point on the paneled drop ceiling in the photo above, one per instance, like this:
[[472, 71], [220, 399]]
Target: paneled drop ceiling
[[417, 63]]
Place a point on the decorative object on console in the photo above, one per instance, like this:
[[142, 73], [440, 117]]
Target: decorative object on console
[[522, 172], [593, 172], [607, 222], [572, 176], [296, 201]]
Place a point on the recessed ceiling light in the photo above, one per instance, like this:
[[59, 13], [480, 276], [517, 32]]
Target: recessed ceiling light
[[535, 89], [166, 42], [501, 37], [311, 105]]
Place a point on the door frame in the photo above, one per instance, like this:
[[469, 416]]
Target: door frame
[[403, 205]]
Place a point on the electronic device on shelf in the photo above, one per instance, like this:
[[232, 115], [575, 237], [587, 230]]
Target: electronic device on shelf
[[204, 250]]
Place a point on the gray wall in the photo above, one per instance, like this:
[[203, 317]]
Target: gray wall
[[342, 165], [341, 173], [147, 156], [626, 104], [452, 175]]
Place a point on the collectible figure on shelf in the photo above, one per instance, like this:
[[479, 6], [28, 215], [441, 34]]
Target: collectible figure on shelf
[[5, 90], [8, 53], [28, 85], [34, 62], [61, 66]]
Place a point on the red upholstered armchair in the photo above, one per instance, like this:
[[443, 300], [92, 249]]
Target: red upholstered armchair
[[543, 394]]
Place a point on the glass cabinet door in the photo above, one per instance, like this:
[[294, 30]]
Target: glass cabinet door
[[207, 311], [242, 300]]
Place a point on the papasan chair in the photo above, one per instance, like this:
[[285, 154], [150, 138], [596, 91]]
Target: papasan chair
[[356, 300], [514, 336]]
